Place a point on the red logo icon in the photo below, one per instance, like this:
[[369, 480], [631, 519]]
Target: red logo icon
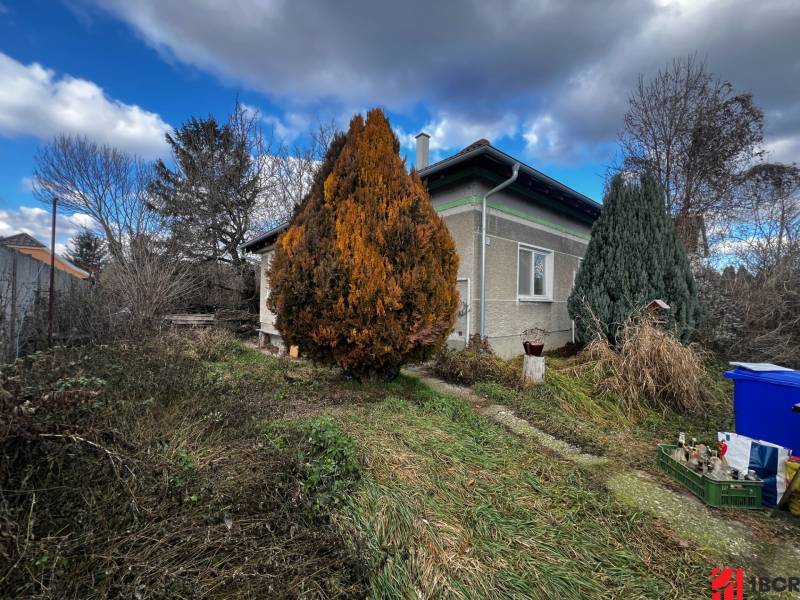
[[727, 583]]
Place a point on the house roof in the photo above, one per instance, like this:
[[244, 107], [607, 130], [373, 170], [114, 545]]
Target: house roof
[[21, 239], [29, 245], [265, 239], [492, 163]]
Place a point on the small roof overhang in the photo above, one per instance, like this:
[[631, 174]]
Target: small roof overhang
[[264, 240]]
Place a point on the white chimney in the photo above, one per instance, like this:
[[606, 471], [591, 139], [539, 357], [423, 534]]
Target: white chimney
[[422, 150]]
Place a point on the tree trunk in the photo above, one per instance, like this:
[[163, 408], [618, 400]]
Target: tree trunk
[[533, 369]]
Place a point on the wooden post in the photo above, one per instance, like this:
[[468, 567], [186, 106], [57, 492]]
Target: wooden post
[[12, 349], [51, 311], [533, 369]]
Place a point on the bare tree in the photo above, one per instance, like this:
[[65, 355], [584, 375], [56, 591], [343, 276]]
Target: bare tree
[[766, 233], [145, 286], [754, 311], [106, 183], [289, 173], [694, 133]]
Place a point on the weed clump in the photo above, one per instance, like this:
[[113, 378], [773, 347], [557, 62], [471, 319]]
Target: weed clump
[[476, 363], [135, 470], [328, 455], [213, 344], [649, 367]]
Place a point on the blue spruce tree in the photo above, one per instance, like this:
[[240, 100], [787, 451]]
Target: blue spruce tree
[[634, 257]]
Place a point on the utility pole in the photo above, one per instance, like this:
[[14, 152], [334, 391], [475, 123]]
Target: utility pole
[[51, 312]]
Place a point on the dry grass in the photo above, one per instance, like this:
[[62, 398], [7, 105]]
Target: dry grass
[[453, 506], [476, 363], [142, 471], [651, 368], [139, 471]]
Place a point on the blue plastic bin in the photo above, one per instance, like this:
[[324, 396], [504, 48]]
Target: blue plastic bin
[[766, 406]]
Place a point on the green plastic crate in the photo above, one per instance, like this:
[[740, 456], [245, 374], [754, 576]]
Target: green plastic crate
[[719, 494]]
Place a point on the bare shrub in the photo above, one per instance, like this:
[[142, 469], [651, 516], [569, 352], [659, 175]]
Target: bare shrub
[[475, 364], [649, 367], [142, 288]]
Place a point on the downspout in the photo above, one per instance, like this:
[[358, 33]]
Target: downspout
[[505, 184]]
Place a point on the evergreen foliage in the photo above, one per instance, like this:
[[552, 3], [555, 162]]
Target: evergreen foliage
[[634, 257], [365, 276], [88, 251], [208, 198]]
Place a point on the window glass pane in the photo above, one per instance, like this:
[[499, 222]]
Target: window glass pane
[[524, 266], [539, 268]]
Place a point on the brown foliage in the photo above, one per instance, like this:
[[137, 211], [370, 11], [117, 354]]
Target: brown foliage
[[365, 276], [477, 363], [651, 367]]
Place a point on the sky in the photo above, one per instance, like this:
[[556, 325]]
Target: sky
[[545, 80]]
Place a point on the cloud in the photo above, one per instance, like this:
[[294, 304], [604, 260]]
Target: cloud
[[555, 71], [36, 221], [288, 129], [34, 101], [543, 137], [452, 132], [375, 52], [784, 149]]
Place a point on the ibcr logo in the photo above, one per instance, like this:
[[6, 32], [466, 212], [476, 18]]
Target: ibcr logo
[[727, 583]]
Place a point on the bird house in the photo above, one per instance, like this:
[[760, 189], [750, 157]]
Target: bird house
[[657, 310]]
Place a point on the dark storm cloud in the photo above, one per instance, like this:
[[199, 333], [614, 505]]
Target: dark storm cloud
[[561, 68]]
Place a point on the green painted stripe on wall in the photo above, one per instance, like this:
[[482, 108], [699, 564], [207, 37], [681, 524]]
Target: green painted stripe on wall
[[475, 200]]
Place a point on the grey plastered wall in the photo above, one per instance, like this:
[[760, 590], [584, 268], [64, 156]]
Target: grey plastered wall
[[513, 220]]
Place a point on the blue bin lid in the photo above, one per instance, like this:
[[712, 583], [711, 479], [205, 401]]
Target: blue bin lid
[[787, 378]]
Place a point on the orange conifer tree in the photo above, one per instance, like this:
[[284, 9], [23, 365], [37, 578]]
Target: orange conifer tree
[[365, 277]]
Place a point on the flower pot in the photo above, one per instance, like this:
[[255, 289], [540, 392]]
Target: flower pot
[[536, 349]]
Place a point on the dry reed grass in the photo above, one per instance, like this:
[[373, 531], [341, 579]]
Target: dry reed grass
[[650, 367]]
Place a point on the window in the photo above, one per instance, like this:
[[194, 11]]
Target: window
[[534, 273]]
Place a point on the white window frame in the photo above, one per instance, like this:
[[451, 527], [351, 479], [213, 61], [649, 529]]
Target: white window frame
[[548, 273]]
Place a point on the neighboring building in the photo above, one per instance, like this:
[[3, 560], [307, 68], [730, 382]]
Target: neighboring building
[[27, 244], [537, 232], [264, 245], [24, 292]]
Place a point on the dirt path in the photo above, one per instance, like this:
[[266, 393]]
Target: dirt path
[[687, 516]]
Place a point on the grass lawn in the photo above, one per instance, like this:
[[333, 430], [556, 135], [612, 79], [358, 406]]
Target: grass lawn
[[194, 469]]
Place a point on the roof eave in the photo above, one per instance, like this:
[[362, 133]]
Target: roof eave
[[250, 245], [510, 160]]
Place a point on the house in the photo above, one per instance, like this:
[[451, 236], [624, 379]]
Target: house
[[29, 245], [537, 230], [264, 245], [25, 282]]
